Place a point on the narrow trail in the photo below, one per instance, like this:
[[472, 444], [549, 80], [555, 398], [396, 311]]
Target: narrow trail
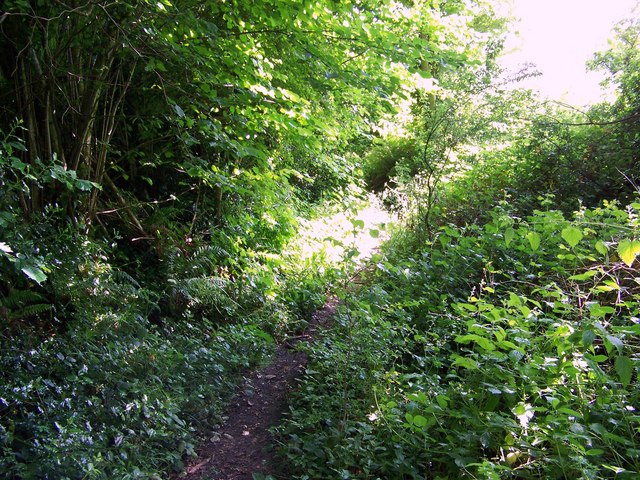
[[244, 445]]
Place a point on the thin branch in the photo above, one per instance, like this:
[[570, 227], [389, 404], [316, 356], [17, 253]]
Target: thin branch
[[630, 118], [172, 198]]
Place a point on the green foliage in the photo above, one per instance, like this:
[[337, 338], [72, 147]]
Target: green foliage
[[381, 163], [14, 177], [621, 64], [153, 182], [507, 350], [22, 304], [480, 143], [118, 398]]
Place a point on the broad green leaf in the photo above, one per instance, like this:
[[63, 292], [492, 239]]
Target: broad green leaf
[[352, 252], [18, 165], [594, 452], [514, 300], [357, 224], [509, 235], [570, 411], [588, 337], [468, 306], [601, 248], [18, 146], [534, 240], [553, 401], [34, 273], [584, 276], [608, 286], [179, 110], [419, 421], [452, 232], [507, 345], [616, 342], [628, 250], [624, 369], [572, 235], [375, 233], [86, 185], [598, 310], [596, 358], [465, 362], [480, 341]]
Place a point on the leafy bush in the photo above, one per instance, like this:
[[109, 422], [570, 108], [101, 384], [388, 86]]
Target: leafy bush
[[507, 350], [382, 162], [118, 398]]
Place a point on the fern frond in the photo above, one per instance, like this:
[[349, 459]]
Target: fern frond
[[123, 277], [211, 292], [30, 311], [20, 298], [218, 253], [199, 262]]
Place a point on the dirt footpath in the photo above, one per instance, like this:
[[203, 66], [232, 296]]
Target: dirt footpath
[[243, 445]]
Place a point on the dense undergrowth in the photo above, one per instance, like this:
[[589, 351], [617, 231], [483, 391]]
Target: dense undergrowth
[[109, 374], [495, 336], [503, 350], [156, 160], [121, 394]]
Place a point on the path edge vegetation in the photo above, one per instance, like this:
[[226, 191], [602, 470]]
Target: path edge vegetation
[[156, 161]]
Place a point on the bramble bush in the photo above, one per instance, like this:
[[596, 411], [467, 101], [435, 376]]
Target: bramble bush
[[508, 350]]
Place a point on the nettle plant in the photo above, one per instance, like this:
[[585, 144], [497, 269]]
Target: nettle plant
[[533, 372], [529, 374]]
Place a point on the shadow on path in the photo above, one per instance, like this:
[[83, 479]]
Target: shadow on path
[[243, 445]]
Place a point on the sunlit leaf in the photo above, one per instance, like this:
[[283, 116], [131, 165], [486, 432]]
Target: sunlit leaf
[[615, 342], [481, 341], [507, 345], [598, 310], [179, 111], [584, 276], [534, 240], [465, 362], [420, 421], [34, 273], [357, 224], [601, 248], [628, 250], [594, 452], [509, 235], [572, 235]]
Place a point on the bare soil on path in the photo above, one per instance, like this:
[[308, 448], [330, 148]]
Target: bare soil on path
[[244, 445]]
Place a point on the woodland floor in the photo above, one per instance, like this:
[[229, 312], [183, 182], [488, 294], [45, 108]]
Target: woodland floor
[[243, 445]]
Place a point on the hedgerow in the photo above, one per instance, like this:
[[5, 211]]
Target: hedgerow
[[508, 350]]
